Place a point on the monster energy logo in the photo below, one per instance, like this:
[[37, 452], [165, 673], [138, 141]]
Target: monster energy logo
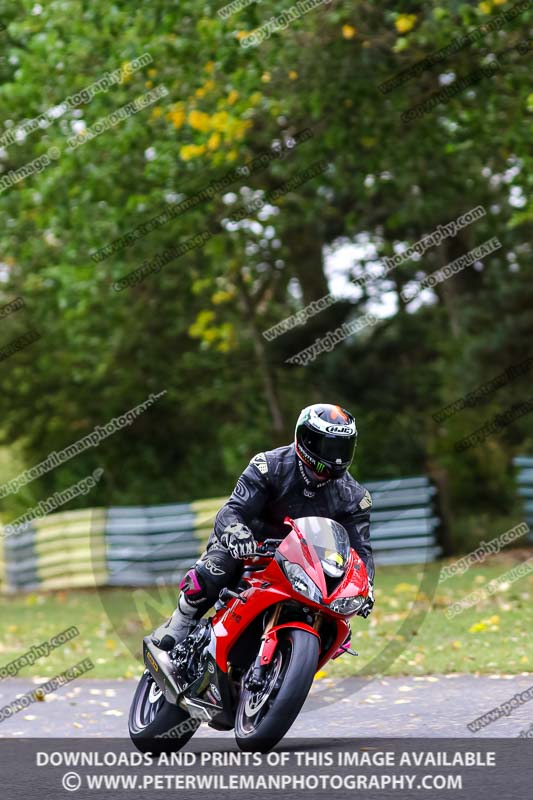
[[320, 466]]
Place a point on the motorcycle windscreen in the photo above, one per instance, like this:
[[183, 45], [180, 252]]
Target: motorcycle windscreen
[[329, 544]]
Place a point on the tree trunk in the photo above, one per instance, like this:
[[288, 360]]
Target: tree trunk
[[450, 291], [306, 260], [267, 373]]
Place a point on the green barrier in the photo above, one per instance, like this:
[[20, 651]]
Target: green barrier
[[524, 479], [149, 545]]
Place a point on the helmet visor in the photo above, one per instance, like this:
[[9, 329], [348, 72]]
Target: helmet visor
[[334, 450]]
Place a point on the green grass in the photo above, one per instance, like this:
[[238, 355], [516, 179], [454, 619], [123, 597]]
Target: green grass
[[494, 636]]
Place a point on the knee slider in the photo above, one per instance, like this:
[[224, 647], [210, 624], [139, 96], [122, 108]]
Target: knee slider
[[193, 586]]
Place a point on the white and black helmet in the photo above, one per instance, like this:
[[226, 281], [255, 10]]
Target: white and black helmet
[[325, 439]]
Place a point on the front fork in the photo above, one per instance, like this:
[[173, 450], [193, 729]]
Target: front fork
[[269, 642]]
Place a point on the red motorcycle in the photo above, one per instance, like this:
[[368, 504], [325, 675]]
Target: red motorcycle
[[251, 665]]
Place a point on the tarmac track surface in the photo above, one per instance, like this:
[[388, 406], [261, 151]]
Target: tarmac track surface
[[425, 706]]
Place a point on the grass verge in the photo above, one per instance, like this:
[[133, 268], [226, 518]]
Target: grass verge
[[494, 636]]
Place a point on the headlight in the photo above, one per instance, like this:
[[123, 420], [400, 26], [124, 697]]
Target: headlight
[[347, 605], [302, 582]]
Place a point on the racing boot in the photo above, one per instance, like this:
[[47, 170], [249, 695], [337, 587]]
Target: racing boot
[[178, 627]]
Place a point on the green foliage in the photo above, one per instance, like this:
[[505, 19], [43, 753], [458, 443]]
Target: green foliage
[[483, 639], [194, 328]]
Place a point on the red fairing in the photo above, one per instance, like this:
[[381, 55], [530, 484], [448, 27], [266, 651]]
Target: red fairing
[[271, 586], [354, 582], [229, 623], [296, 550]]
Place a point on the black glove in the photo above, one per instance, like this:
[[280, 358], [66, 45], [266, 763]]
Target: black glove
[[238, 540], [368, 605]]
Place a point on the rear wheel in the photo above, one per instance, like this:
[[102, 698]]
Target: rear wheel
[[264, 717], [155, 725]]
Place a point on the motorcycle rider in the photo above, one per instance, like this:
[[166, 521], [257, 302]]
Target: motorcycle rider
[[306, 478]]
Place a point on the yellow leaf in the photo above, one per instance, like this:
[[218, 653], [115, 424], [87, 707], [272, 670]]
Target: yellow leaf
[[189, 151], [405, 587], [177, 118], [477, 627], [348, 31], [199, 120], [405, 22], [221, 297], [213, 141], [205, 317], [239, 128], [125, 72], [220, 121], [210, 335]]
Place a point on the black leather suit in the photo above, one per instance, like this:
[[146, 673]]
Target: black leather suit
[[272, 487]]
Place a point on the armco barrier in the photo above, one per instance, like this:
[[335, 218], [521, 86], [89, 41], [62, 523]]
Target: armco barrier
[[60, 551], [525, 488], [150, 544], [404, 521], [147, 545]]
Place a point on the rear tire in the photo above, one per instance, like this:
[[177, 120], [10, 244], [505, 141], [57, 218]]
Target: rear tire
[[155, 725], [263, 718]]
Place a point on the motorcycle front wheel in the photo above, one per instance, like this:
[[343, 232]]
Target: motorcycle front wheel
[[264, 717], [155, 725]]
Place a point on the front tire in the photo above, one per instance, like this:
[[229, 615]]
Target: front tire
[[155, 725], [263, 718]]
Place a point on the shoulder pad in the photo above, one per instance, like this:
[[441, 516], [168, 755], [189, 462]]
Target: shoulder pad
[[366, 502], [260, 462], [357, 497]]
